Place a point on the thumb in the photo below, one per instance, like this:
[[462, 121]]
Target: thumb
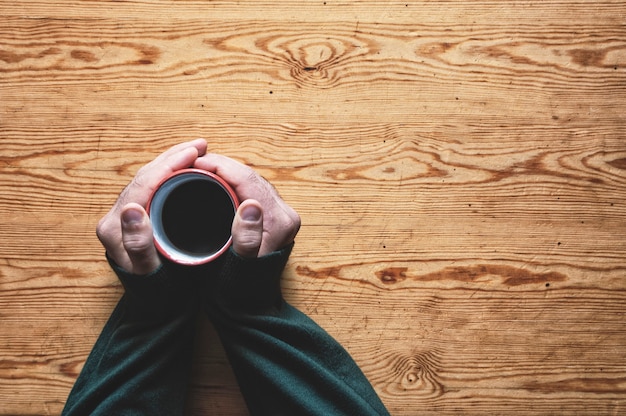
[[137, 239], [248, 229]]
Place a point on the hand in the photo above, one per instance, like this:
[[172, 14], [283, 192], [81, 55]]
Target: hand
[[125, 231], [264, 222]]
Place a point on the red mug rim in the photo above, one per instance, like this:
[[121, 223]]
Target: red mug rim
[[231, 193]]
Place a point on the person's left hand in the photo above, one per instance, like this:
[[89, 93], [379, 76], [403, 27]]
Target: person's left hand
[[125, 231]]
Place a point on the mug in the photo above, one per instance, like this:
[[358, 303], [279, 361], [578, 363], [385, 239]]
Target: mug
[[192, 212]]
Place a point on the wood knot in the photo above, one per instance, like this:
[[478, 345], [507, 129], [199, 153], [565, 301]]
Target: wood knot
[[392, 275], [417, 374], [316, 59]]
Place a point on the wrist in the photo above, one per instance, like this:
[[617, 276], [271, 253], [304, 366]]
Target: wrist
[[249, 284]]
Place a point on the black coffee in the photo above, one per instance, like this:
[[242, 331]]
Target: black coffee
[[197, 216]]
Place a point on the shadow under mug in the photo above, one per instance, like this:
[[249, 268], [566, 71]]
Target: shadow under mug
[[192, 212]]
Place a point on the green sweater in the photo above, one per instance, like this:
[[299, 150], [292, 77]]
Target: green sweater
[[284, 362]]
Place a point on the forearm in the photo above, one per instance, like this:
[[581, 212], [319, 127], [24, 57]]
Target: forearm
[[284, 362], [141, 361]]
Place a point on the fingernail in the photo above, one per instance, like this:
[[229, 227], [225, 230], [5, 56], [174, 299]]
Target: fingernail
[[132, 216], [251, 213]]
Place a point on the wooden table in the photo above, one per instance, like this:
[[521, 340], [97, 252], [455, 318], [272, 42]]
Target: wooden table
[[459, 166]]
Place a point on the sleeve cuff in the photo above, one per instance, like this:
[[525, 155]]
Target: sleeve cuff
[[163, 291], [250, 284]]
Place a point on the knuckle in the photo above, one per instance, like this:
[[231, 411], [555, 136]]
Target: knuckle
[[250, 239], [253, 176], [291, 221], [138, 181], [104, 228], [247, 242], [137, 244], [296, 221]]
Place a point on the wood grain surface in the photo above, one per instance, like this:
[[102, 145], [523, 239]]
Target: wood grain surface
[[459, 166]]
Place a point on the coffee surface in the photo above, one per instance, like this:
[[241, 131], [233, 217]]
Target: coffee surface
[[197, 217]]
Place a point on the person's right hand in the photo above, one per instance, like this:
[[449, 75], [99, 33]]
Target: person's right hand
[[264, 222]]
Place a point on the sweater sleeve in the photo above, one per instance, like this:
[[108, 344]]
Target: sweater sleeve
[[284, 362], [141, 361]]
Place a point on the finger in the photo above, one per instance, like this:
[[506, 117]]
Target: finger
[[199, 144], [137, 239], [247, 229], [233, 172]]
